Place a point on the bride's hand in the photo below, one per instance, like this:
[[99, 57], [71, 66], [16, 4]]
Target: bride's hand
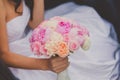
[[58, 64]]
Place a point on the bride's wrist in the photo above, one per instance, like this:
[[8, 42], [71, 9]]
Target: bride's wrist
[[42, 64], [47, 64]]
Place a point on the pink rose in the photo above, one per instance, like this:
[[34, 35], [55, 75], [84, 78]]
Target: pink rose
[[34, 38], [35, 48], [82, 31], [73, 45], [42, 50], [66, 38], [41, 34]]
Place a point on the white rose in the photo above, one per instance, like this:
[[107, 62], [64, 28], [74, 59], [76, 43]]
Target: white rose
[[86, 44]]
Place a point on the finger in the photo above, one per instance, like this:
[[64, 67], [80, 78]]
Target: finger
[[61, 68], [56, 59], [59, 63]]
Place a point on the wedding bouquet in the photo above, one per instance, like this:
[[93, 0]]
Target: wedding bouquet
[[59, 36]]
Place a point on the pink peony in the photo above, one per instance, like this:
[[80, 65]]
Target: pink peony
[[63, 27]]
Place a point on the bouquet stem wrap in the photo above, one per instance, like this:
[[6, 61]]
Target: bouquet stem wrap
[[63, 75]]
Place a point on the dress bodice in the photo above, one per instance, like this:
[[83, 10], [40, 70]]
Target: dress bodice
[[16, 26]]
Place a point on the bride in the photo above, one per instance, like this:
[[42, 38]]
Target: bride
[[14, 48], [99, 63]]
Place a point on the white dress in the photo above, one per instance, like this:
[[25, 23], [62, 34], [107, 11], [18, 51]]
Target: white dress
[[98, 63]]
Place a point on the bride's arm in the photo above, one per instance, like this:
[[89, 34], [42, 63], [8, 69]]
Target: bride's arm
[[38, 13]]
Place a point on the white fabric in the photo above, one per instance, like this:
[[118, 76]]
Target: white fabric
[[98, 63]]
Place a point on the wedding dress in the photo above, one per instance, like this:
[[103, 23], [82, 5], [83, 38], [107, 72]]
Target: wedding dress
[[98, 63]]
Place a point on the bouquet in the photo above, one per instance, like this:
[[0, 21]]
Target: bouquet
[[59, 36]]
